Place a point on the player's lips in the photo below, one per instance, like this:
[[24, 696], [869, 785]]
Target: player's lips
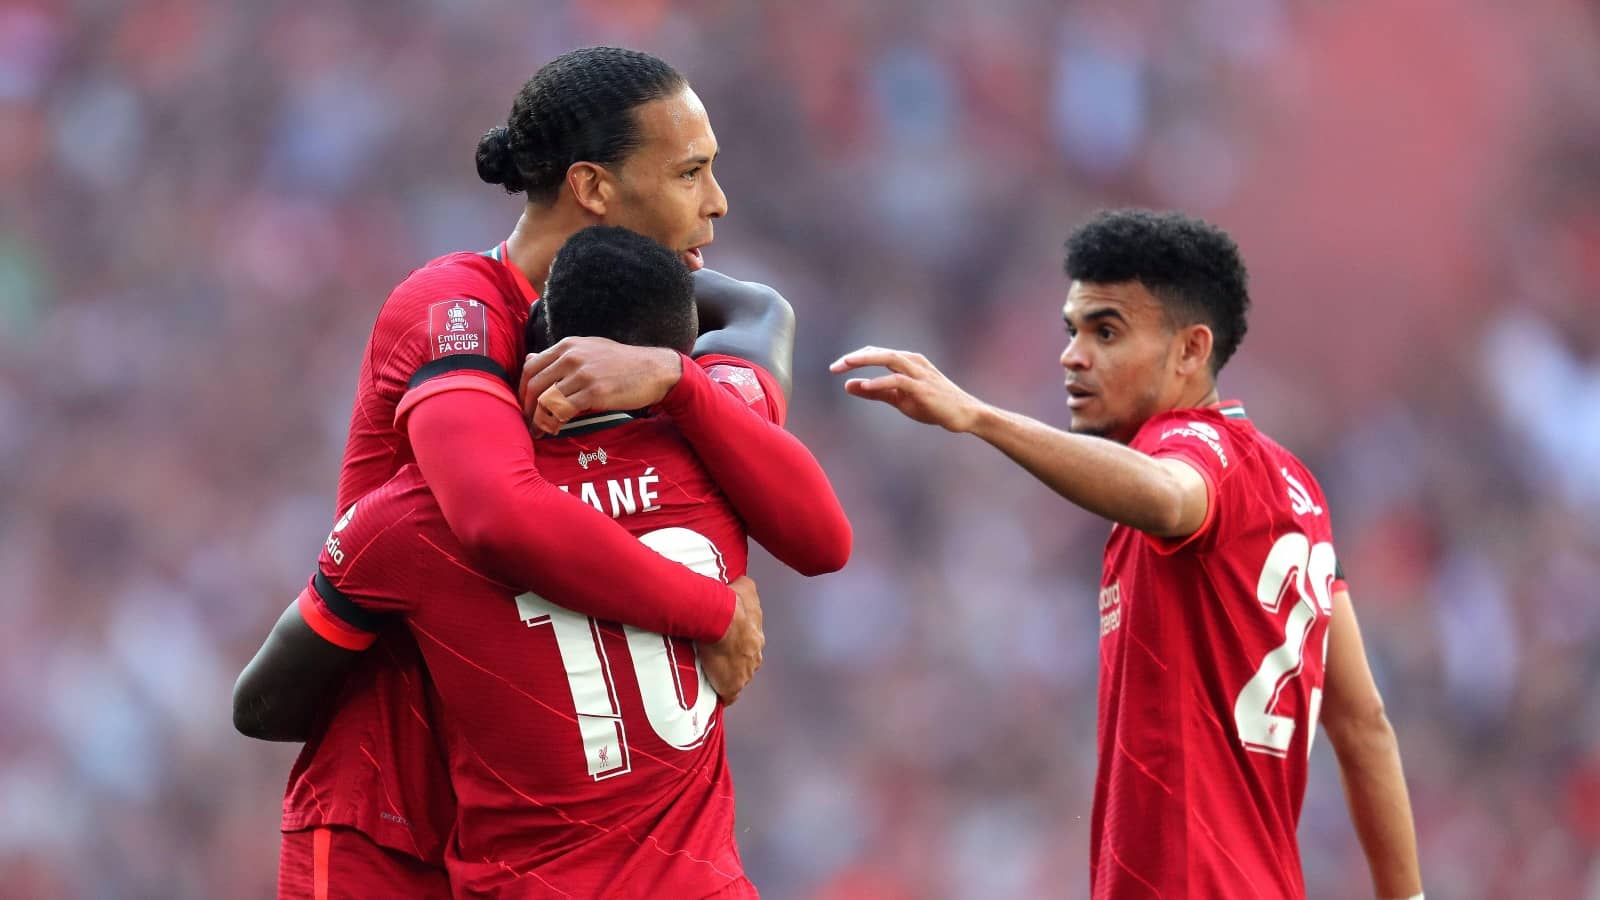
[[1078, 395], [694, 259]]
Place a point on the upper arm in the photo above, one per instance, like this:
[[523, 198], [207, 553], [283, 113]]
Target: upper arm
[[1195, 456], [471, 446], [444, 328], [1189, 497], [1350, 695], [747, 320]]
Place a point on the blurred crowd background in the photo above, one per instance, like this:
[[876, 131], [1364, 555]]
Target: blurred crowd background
[[203, 204]]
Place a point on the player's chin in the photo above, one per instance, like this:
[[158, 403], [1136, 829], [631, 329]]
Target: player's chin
[[1082, 424]]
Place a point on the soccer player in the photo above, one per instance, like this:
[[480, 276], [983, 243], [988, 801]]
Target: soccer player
[[1223, 622], [597, 135], [587, 757]]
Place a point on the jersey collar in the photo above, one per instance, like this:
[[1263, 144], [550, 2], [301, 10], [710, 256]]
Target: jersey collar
[[597, 422], [502, 255], [1230, 409]]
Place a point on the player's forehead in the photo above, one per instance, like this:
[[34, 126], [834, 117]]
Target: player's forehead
[[675, 129], [1127, 300]]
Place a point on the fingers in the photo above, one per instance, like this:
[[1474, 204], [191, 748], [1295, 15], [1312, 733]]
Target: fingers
[[545, 421], [891, 396], [894, 360], [535, 368], [554, 410], [541, 371], [889, 389]]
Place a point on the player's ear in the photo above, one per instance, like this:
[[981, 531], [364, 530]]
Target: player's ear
[[592, 186], [1194, 348]]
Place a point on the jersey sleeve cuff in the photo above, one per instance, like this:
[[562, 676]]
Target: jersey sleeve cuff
[[328, 626], [1167, 546], [463, 379]]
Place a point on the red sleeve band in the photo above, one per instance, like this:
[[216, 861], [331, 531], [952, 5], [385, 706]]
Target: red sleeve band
[[314, 610], [458, 380]]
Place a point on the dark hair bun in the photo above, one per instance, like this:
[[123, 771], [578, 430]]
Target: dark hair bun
[[496, 163]]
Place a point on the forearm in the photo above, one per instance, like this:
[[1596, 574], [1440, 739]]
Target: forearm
[[772, 481], [750, 321], [475, 453], [1380, 808], [1103, 477]]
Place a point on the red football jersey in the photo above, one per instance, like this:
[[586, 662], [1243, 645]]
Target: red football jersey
[[1211, 667], [375, 764], [587, 757]]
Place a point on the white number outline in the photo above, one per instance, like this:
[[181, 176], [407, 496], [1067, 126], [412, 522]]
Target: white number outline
[[1293, 562], [677, 722]]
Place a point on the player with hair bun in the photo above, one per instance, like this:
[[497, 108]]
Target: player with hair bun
[[600, 135], [587, 758]]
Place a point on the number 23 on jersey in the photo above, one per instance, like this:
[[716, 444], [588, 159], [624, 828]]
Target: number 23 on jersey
[[1299, 572]]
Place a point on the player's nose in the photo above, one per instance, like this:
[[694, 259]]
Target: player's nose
[[716, 201], [1072, 357]]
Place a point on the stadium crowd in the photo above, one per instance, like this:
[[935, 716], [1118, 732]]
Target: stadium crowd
[[202, 206]]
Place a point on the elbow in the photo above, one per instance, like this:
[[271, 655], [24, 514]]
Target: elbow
[[249, 711], [488, 537], [830, 552], [1360, 726], [261, 714]]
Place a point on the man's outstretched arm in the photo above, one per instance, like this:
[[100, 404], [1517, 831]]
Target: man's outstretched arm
[[1162, 497], [1369, 760]]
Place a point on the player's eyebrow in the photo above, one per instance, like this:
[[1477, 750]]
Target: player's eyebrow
[[698, 160], [1096, 315]]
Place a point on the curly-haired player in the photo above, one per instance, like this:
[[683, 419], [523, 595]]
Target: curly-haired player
[[1224, 622]]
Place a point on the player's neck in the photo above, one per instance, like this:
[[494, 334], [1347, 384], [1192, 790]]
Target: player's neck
[[1199, 396], [533, 244]]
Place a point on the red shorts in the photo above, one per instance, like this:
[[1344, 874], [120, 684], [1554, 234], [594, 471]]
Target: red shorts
[[344, 864]]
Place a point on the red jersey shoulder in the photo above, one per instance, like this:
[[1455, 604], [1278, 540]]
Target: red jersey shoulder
[[382, 534], [1203, 435], [749, 382], [1298, 486], [458, 304]]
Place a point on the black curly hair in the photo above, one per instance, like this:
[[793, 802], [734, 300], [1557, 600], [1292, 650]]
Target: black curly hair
[[579, 107], [1190, 265], [614, 283]]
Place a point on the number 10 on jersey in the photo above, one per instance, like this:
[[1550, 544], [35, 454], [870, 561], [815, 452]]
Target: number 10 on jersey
[[680, 723]]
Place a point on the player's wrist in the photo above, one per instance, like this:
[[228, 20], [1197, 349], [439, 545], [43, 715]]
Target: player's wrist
[[670, 370], [978, 419], [681, 386], [734, 616]]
